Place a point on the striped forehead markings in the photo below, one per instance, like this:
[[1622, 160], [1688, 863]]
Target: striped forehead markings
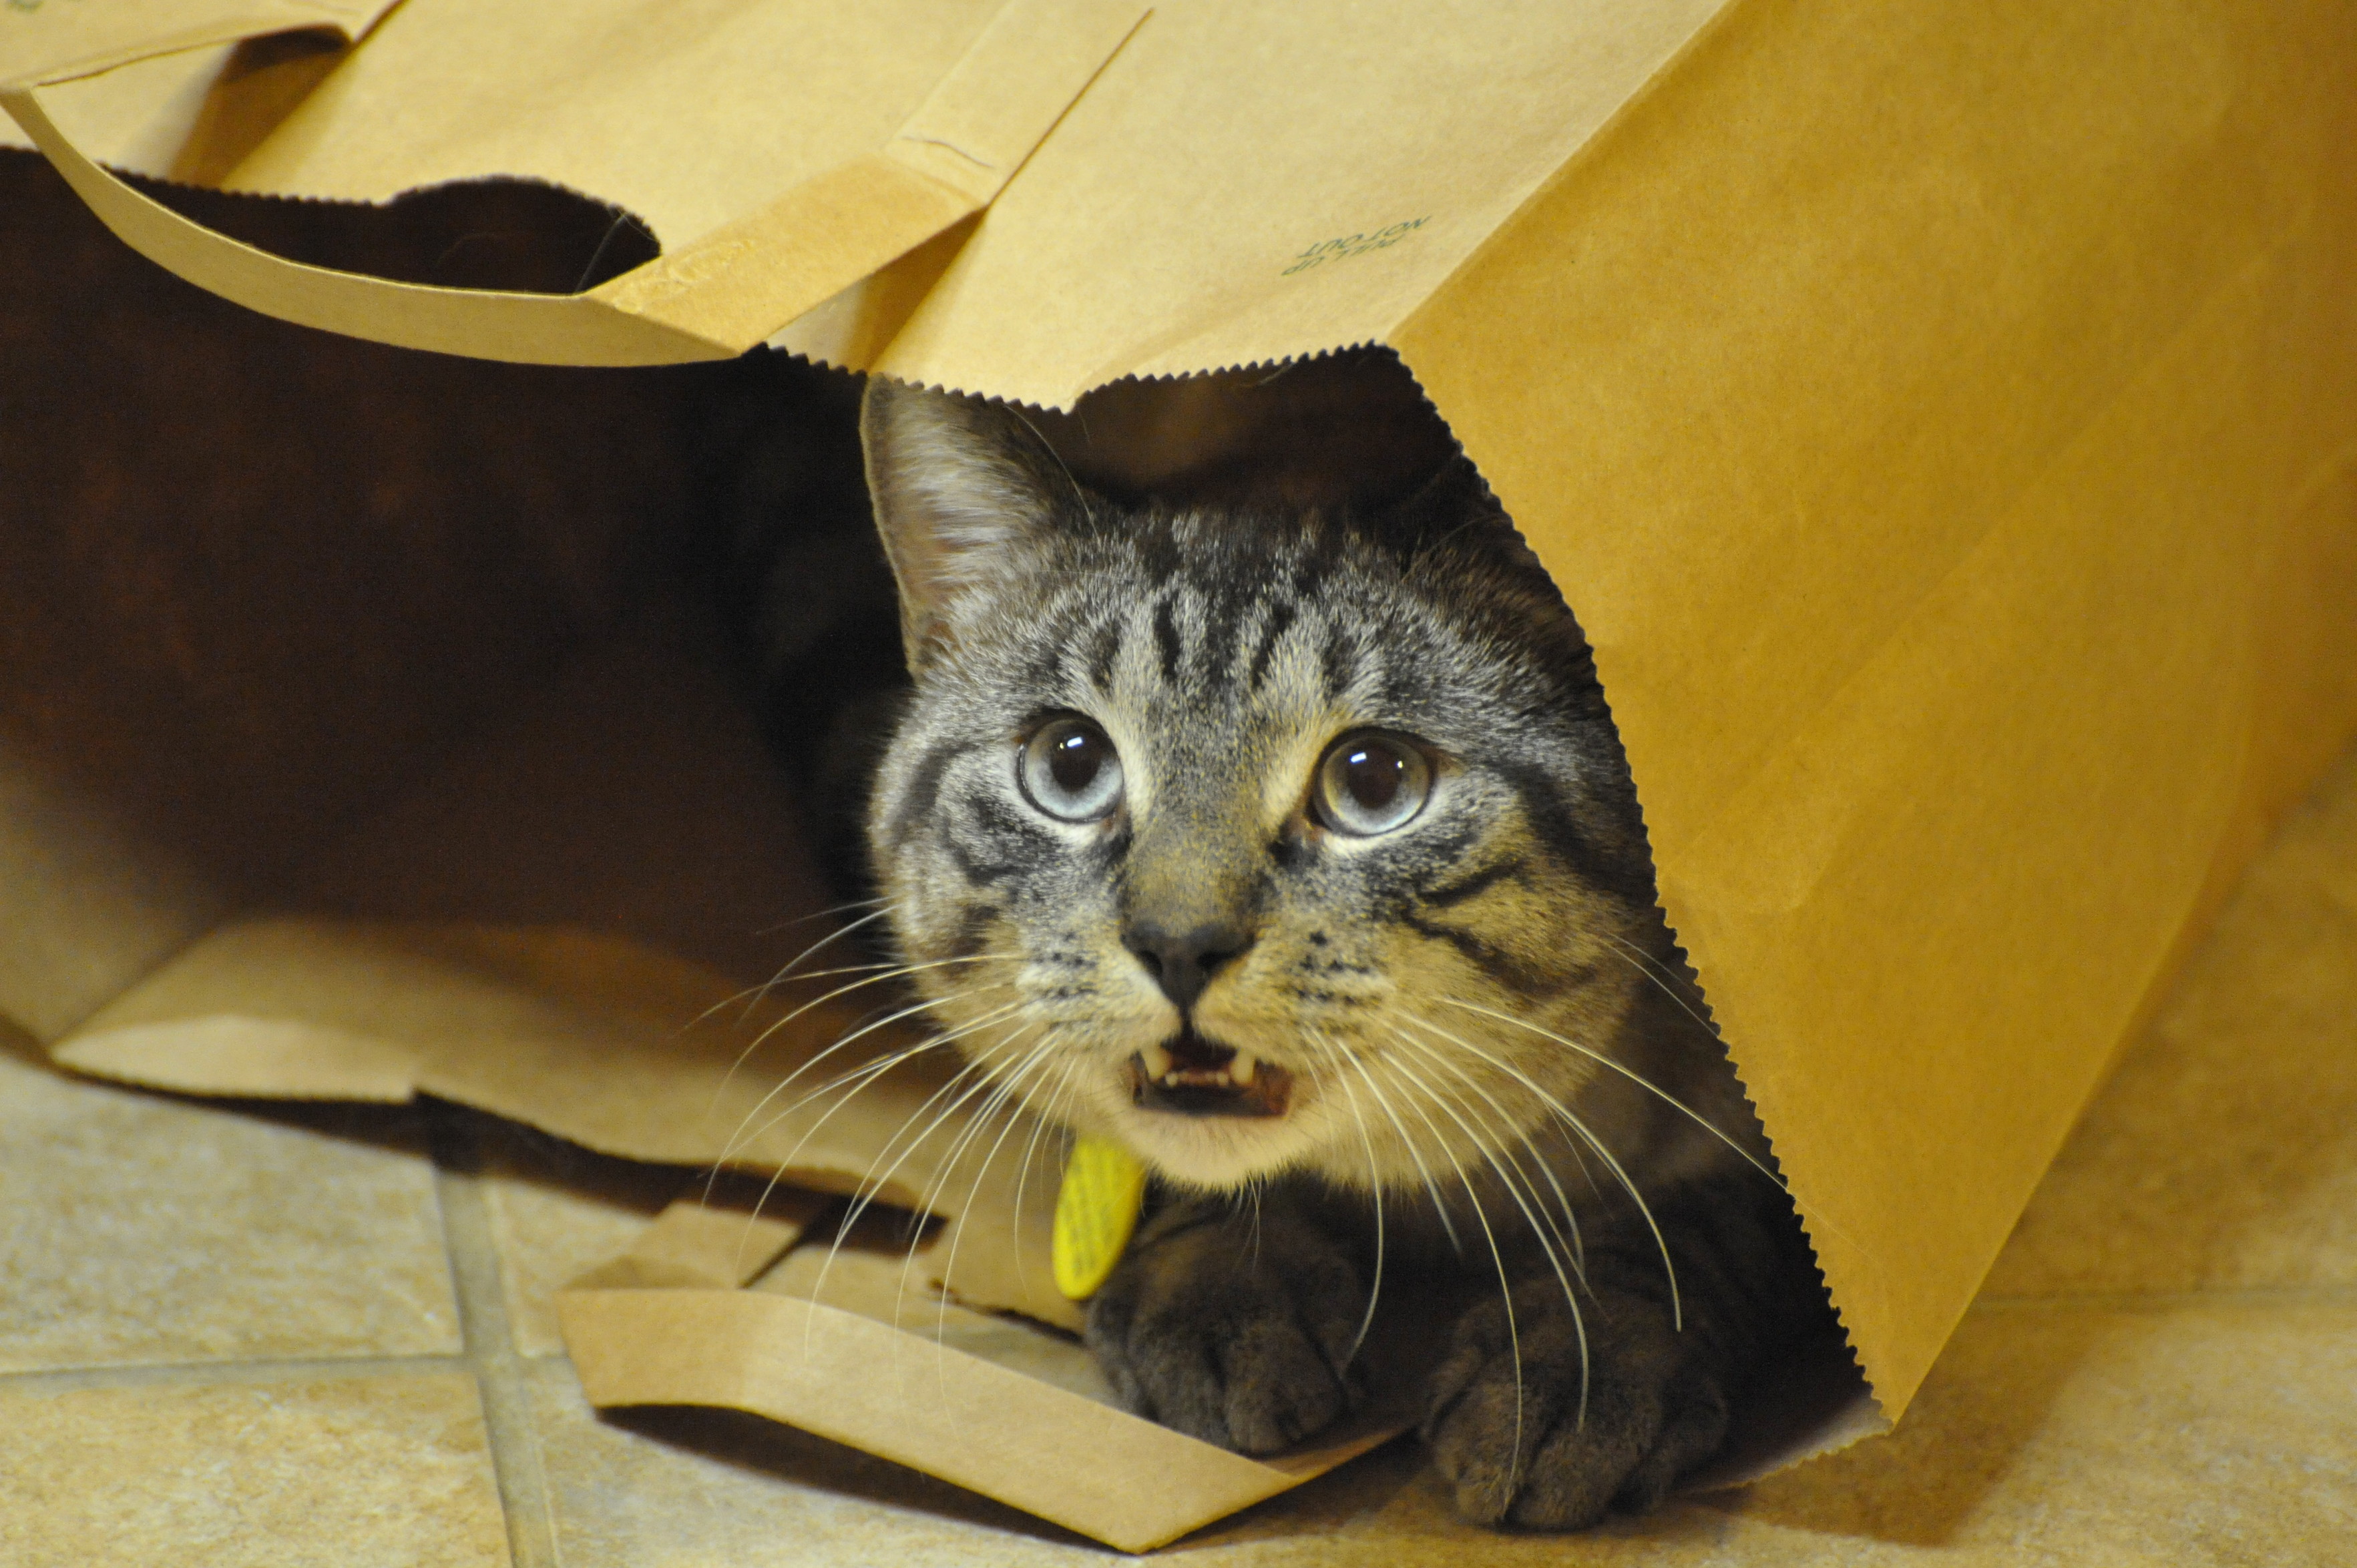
[[1105, 650], [1338, 660], [1274, 624], [1214, 636], [1223, 622], [1166, 635]]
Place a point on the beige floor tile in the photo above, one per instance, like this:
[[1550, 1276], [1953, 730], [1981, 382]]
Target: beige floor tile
[[352, 1473], [140, 1229], [2222, 1154], [2181, 1436], [557, 1212]]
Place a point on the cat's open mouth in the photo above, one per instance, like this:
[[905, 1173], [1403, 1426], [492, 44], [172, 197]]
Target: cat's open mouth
[[1187, 1075]]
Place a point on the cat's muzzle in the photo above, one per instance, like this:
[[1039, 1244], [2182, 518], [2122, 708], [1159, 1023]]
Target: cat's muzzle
[[1187, 1075]]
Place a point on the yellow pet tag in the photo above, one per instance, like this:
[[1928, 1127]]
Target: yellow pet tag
[[1096, 1209]]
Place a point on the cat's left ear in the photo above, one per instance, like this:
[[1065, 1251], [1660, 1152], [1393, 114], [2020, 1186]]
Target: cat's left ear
[[957, 483], [1453, 503], [1454, 495]]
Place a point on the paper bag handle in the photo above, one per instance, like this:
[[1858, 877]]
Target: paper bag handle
[[714, 298]]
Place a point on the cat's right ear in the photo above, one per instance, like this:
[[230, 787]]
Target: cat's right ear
[[958, 483]]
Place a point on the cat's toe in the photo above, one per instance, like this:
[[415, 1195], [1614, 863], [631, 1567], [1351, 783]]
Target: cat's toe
[[1528, 1432], [1258, 1386], [1251, 1356], [1625, 1457]]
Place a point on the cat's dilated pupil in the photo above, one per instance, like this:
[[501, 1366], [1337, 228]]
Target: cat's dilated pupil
[[1075, 758], [1372, 776], [1380, 785]]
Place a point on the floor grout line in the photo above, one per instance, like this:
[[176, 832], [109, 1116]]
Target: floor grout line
[[476, 1274], [245, 1369]]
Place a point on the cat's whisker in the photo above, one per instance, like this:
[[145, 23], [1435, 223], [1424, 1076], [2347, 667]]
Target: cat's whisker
[[889, 971], [991, 1108], [1573, 1246], [1010, 1088], [1485, 1140], [1497, 1256], [852, 1082], [1539, 1231], [729, 1149], [836, 935], [1441, 1058], [868, 1192], [927, 1206], [1003, 1090], [975, 1067], [871, 1185], [1000, 1099], [1652, 969], [1004, 1086], [876, 1067], [1578, 1244], [1559, 1243], [1042, 1058], [856, 1078], [1669, 1267], [751, 995], [1414, 1154], [1636, 1077], [1043, 1117], [1375, 1193], [846, 905]]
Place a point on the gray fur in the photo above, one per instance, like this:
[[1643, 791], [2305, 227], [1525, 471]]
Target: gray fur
[[1437, 997]]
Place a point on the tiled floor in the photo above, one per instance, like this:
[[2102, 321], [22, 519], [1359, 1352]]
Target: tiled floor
[[234, 1336]]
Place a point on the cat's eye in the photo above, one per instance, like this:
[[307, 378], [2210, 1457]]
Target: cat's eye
[[1069, 771], [1370, 784]]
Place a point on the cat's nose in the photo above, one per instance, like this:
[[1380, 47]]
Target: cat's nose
[[1182, 962]]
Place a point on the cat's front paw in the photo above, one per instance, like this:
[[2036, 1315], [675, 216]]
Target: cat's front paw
[[1235, 1333], [1506, 1424]]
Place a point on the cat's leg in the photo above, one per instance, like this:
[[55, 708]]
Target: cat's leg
[[1507, 1424], [1233, 1320]]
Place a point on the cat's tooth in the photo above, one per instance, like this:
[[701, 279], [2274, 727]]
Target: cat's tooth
[[1158, 1063], [1240, 1070]]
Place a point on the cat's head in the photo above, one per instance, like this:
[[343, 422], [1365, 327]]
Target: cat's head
[[1253, 841]]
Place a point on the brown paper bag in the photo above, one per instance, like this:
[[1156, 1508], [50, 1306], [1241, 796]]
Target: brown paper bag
[[851, 170], [1944, 419], [848, 1344]]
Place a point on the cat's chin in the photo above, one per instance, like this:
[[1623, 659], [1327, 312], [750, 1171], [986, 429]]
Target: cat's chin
[[1216, 1152]]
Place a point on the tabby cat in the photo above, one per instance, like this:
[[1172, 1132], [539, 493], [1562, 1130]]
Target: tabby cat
[[1292, 847]]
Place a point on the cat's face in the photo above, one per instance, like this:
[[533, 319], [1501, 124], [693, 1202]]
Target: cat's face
[[1253, 843]]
